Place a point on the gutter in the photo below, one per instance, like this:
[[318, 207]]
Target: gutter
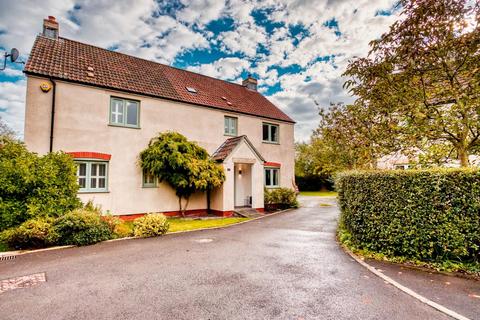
[[52, 115]]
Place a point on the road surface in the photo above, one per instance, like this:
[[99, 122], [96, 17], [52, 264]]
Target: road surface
[[286, 266]]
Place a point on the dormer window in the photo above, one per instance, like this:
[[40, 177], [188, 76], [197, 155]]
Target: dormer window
[[191, 90]]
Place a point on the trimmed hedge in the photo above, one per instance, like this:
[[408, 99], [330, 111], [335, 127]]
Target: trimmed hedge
[[429, 215]]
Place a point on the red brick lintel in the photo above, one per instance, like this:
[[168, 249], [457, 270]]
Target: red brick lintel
[[90, 155]]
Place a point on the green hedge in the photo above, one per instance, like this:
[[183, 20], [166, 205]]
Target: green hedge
[[430, 215]]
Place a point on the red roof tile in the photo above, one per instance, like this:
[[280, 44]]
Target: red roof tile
[[229, 145], [70, 60]]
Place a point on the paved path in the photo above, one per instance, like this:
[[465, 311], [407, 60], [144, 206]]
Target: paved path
[[283, 267], [458, 294]]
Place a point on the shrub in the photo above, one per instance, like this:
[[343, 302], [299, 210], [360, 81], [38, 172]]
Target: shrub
[[281, 198], [112, 222], [31, 234], [34, 186], [430, 215], [150, 225], [82, 227], [123, 230]]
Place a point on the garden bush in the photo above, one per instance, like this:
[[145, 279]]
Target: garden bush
[[34, 186], [123, 230], [428, 215], [280, 198], [150, 225], [82, 227], [31, 234]]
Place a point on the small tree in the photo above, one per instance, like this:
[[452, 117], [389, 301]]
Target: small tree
[[183, 164]]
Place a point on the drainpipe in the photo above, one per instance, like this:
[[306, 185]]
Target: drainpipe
[[52, 116]]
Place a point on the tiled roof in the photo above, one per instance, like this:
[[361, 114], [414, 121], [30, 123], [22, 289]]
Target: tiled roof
[[70, 60], [229, 145]]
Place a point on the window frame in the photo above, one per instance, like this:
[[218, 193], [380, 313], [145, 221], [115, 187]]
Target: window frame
[[230, 118], [88, 175], [148, 185], [125, 113], [271, 169], [269, 138]]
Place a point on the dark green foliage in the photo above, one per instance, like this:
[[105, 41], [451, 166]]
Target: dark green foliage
[[183, 164], [31, 234], [82, 227], [280, 198], [32, 186], [429, 215], [314, 183], [150, 225]]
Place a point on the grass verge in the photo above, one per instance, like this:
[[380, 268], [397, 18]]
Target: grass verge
[[468, 268], [179, 224], [319, 193]]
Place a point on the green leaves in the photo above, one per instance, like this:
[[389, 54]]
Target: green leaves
[[423, 76], [34, 186], [184, 165], [430, 215]]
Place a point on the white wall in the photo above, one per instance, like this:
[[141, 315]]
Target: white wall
[[81, 124]]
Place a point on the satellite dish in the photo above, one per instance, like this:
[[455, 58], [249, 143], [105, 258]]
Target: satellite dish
[[14, 55]]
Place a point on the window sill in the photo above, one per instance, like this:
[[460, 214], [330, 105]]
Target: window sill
[[120, 126], [272, 187], [270, 142], [92, 191], [149, 187], [230, 135]]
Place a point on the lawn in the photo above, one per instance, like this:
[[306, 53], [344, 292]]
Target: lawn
[[179, 224], [319, 193]]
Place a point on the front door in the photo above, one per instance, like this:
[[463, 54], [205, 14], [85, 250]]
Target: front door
[[243, 185]]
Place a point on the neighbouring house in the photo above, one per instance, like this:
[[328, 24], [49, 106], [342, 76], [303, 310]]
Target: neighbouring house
[[400, 161], [103, 107]]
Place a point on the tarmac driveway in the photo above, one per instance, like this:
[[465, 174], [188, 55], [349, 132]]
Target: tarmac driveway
[[287, 266]]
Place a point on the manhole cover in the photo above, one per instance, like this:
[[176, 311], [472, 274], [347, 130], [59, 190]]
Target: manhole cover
[[22, 282], [205, 240]]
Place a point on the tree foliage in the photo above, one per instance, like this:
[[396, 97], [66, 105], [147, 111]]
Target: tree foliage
[[34, 186], [183, 164], [421, 80]]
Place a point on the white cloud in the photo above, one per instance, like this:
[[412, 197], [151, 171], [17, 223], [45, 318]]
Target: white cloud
[[225, 68], [9, 72], [244, 39], [200, 11], [138, 29], [12, 104]]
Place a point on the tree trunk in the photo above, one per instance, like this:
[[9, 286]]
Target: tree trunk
[[180, 206], [463, 157]]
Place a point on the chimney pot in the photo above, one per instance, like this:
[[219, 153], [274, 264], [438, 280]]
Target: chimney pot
[[250, 82], [50, 28]]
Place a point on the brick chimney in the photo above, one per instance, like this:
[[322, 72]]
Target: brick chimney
[[50, 28], [250, 83]]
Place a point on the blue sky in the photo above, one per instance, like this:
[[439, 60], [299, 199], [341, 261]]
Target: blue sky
[[297, 49]]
